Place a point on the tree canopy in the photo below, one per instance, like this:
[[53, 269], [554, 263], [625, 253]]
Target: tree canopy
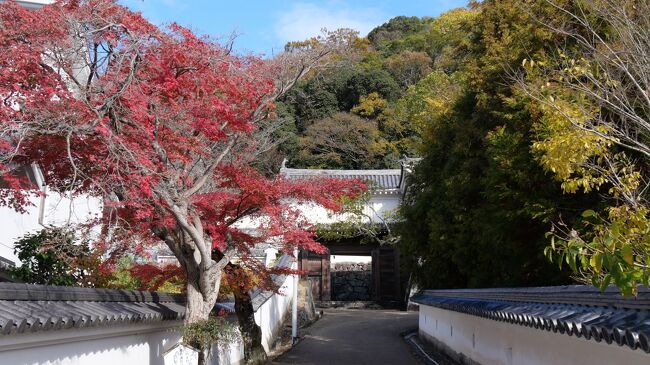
[[533, 132], [160, 123], [479, 203], [531, 118]]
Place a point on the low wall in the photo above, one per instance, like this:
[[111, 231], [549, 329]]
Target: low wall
[[126, 344], [143, 343], [227, 354], [271, 309], [134, 344], [475, 340]]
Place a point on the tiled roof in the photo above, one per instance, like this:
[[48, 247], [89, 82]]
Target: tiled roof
[[576, 310], [6, 263], [258, 296], [31, 308], [26, 308], [383, 179]]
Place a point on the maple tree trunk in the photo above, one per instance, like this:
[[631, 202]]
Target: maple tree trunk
[[201, 296], [254, 353], [196, 308]]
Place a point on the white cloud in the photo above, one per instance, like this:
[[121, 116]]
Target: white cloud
[[304, 20]]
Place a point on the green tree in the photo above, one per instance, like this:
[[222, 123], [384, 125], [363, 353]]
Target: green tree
[[479, 203], [394, 56], [343, 141], [409, 67], [419, 108], [395, 29], [370, 106], [447, 37], [121, 277], [51, 256], [311, 101], [594, 133], [368, 81]]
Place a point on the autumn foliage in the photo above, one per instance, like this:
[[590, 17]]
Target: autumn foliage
[[159, 123]]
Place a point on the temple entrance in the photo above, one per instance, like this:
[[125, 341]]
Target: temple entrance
[[358, 272]]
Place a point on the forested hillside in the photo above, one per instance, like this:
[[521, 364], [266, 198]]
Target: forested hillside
[[509, 104], [358, 114]]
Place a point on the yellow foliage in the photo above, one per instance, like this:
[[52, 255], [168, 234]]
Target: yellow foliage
[[171, 287], [426, 103], [565, 145], [370, 105]]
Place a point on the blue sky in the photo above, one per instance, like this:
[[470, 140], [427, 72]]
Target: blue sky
[[263, 26]]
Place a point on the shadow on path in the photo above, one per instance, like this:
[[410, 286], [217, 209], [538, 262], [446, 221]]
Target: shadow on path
[[355, 337]]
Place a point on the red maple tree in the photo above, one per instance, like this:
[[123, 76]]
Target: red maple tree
[[160, 123]]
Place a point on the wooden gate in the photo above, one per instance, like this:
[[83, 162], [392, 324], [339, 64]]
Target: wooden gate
[[386, 275], [386, 284], [317, 271]]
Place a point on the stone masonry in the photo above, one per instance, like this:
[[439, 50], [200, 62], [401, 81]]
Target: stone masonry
[[351, 281]]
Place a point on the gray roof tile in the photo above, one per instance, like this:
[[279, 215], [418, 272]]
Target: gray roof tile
[[259, 296], [388, 179], [26, 308], [31, 308], [576, 310]]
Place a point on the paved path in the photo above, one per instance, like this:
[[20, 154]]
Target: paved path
[[355, 337]]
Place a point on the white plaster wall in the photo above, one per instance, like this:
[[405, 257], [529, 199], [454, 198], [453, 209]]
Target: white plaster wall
[[120, 345], [136, 344], [382, 207], [490, 342], [271, 255], [379, 209], [337, 259], [58, 209], [269, 315], [230, 354]]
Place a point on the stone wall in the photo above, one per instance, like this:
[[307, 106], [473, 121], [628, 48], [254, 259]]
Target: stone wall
[[351, 281]]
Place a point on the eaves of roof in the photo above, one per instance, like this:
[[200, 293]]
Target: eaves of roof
[[26, 308], [381, 181], [259, 296], [580, 311]]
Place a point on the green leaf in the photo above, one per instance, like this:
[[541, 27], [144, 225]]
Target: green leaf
[[596, 261], [627, 254], [571, 260], [548, 252], [588, 213], [627, 291], [605, 283]]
